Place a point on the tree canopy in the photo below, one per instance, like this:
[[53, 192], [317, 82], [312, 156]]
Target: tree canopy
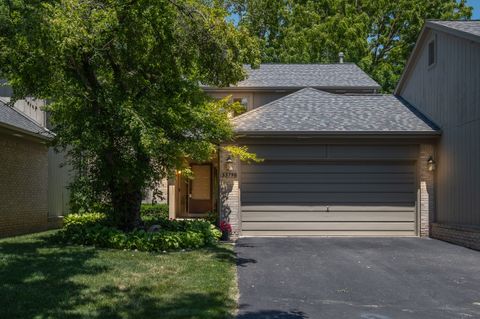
[[123, 80], [378, 35], [123, 76]]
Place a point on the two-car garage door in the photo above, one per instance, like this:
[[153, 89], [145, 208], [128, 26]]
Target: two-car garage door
[[321, 190]]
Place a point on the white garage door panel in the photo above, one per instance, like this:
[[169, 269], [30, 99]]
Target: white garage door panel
[[292, 216]]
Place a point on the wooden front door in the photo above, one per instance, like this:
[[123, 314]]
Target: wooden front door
[[200, 189]]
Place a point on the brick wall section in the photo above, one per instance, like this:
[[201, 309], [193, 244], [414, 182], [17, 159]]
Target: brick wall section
[[23, 186], [457, 234], [426, 190], [230, 195]]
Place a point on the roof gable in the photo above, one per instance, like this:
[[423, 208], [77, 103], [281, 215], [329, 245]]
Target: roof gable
[[313, 111], [13, 119], [340, 75], [468, 30]]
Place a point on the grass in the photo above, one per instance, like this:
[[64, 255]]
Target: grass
[[41, 279]]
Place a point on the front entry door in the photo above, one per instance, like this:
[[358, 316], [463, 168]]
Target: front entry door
[[200, 189]]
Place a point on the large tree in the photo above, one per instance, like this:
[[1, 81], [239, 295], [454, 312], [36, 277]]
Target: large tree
[[123, 80], [378, 35]]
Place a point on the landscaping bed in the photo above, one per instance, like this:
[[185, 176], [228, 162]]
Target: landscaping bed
[[41, 278], [157, 233]]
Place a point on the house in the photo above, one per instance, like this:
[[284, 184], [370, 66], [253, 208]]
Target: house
[[33, 177], [442, 80], [338, 158], [23, 168]]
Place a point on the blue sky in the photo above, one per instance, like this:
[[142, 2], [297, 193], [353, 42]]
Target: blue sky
[[476, 8]]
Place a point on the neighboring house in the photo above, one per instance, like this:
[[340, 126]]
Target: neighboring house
[[339, 159], [33, 193], [442, 80], [23, 172]]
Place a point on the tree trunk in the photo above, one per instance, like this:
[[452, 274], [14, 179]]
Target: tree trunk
[[126, 209]]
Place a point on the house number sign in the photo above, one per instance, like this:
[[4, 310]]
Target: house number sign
[[229, 175]]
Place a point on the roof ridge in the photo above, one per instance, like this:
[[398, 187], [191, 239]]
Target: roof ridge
[[314, 63], [313, 110], [469, 20]]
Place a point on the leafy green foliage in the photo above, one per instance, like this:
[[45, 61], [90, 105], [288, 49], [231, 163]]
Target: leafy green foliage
[[94, 229], [123, 78], [242, 153], [378, 35], [83, 220], [157, 211], [213, 217], [77, 226]]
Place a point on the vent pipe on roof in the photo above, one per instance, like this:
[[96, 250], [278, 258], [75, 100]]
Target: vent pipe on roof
[[340, 57]]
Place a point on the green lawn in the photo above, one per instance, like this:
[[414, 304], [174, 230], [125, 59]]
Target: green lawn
[[40, 279]]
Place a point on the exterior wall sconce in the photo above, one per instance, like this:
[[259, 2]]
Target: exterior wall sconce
[[431, 164], [229, 164]]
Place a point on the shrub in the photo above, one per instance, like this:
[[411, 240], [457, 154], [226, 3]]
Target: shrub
[[213, 217], [86, 219], [93, 229], [149, 211], [209, 231]]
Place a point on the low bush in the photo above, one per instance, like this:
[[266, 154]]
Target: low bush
[[83, 220], [93, 229], [149, 211], [213, 217]]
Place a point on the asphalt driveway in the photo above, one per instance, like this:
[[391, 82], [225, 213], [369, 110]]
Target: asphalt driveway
[[367, 278]]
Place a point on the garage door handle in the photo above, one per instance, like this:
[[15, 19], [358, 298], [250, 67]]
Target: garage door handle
[[328, 209]]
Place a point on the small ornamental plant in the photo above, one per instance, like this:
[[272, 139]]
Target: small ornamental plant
[[226, 229]]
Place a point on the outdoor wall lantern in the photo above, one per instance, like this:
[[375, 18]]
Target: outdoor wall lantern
[[229, 164], [431, 165]]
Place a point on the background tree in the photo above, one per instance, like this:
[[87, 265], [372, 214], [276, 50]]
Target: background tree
[[123, 80], [378, 35]]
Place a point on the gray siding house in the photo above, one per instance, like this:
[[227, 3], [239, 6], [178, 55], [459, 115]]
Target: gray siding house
[[442, 80], [338, 158]]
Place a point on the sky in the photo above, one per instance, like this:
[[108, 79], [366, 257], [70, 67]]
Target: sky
[[476, 8]]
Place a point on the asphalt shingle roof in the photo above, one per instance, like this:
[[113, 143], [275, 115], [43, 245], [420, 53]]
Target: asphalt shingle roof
[[13, 118], [307, 75], [469, 26], [314, 111]]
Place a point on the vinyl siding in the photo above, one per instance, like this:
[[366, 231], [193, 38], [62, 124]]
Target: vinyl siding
[[59, 178], [449, 94]]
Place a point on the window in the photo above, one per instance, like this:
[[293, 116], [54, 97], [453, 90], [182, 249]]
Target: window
[[243, 102], [431, 53]]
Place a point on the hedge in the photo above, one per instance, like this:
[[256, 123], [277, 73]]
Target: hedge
[[93, 229]]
